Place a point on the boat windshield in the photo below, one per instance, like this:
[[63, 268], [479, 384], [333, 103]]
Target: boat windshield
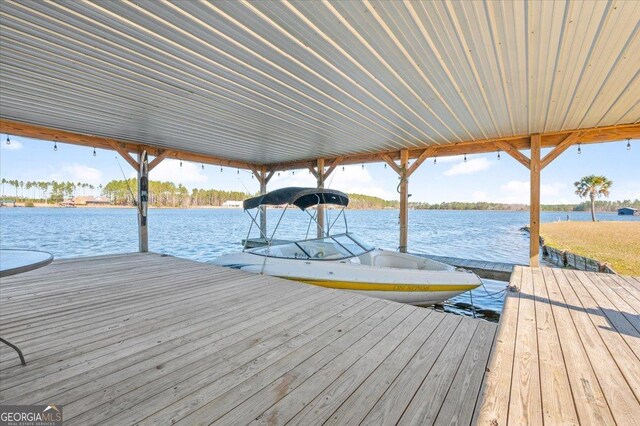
[[335, 247]]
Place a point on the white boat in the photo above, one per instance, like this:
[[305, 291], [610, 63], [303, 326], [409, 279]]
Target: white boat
[[343, 261]]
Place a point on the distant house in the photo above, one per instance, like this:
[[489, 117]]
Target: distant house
[[627, 211], [232, 204], [86, 201], [98, 201]]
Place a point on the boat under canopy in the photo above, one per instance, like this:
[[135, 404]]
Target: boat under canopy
[[343, 261]]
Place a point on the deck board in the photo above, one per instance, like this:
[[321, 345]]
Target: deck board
[[145, 338], [576, 344], [485, 269]]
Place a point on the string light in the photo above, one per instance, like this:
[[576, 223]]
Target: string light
[[293, 172], [498, 155], [220, 169], [435, 159], [180, 163], [343, 168], [8, 140], [465, 158], [238, 171], [579, 148], [362, 166], [278, 174], [628, 143], [94, 152], [385, 165], [202, 166], [55, 146]]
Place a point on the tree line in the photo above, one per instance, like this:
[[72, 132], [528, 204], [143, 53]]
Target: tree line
[[52, 191], [168, 194]]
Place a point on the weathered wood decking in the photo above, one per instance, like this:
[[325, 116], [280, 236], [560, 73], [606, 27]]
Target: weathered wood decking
[[483, 268], [567, 351], [155, 340]]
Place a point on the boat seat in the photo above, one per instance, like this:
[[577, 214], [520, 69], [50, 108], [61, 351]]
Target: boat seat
[[391, 260]]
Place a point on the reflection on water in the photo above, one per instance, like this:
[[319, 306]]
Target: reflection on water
[[204, 234]]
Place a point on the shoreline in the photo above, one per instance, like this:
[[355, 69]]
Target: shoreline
[[109, 206]]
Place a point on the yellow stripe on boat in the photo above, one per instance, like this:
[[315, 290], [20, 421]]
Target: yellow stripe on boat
[[351, 285]]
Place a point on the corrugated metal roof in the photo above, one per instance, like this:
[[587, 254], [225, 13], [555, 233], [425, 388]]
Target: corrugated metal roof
[[265, 82]]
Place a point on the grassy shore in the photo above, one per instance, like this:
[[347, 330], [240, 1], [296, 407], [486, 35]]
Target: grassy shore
[[617, 243]]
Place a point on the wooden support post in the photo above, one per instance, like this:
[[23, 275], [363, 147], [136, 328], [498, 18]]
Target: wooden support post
[[320, 180], [404, 200], [534, 205], [143, 198], [263, 210]]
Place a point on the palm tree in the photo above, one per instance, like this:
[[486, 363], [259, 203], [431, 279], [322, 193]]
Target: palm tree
[[593, 186]]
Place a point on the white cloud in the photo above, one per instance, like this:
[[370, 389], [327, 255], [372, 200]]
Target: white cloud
[[480, 196], [451, 159], [469, 167], [13, 146], [354, 179], [78, 173], [170, 170], [517, 191]]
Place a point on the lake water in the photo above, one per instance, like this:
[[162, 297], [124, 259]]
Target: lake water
[[203, 234]]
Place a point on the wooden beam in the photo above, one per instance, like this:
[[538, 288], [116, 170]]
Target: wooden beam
[[425, 154], [50, 134], [392, 164], [269, 176], [124, 154], [534, 204], [320, 212], [255, 172], [263, 209], [335, 163], [512, 151], [143, 200], [312, 170], [520, 142], [164, 154], [404, 201], [559, 149]]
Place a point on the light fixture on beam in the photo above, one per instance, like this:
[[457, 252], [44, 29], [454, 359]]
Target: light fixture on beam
[[628, 143], [498, 155], [94, 152], [465, 158], [220, 169], [362, 166], [202, 166], [435, 160], [8, 140], [55, 146], [579, 148]]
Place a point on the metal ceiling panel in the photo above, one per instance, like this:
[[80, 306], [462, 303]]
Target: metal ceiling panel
[[268, 82]]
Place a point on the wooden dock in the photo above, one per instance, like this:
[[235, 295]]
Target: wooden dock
[[567, 351], [142, 338], [483, 268]]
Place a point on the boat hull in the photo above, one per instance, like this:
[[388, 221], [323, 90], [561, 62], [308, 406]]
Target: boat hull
[[413, 286]]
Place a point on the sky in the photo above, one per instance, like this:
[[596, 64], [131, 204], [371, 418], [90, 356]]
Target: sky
[[483, 177]]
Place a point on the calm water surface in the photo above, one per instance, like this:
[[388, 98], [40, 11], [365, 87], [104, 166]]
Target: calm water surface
[[203, 234]]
